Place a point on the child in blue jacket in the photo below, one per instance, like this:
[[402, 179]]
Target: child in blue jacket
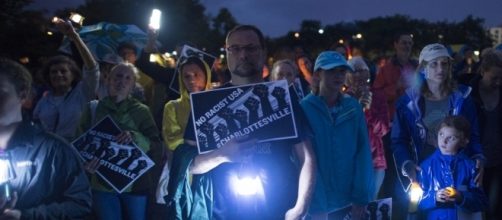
[[447, 176]]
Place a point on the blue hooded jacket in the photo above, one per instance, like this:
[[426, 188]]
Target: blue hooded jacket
[[345, 171], [458, 171], [409, 132]]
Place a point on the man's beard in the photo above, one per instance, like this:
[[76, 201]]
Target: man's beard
[[247, 69]]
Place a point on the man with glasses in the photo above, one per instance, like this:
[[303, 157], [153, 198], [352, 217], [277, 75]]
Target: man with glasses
[[287, 183]]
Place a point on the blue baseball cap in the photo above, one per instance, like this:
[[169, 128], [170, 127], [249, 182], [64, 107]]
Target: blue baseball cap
[[330, 59]]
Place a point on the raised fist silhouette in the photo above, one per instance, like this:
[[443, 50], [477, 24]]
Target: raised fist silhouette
[[228, 116], [262, 92], [123, 153], [252, 104], [280, 94]]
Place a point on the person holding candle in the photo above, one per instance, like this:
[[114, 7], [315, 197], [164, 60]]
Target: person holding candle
[[448, 176], [418, 113]]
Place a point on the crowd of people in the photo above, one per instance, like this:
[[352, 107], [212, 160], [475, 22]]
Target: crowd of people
[[363, 134]]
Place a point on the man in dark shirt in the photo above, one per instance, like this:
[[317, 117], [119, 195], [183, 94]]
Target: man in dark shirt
[[287, 184]]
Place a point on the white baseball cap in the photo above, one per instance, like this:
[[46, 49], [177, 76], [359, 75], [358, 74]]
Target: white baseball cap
[[433, 51]]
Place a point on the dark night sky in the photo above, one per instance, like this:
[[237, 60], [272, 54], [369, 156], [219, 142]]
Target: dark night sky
[[276, 17]]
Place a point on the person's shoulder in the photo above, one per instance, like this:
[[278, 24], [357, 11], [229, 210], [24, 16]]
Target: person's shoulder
[[172, 103], [462, 156], [426, 163], [410, 94], [144, 77], [309, 99], [136, 105], [349, 100], [464, 90], [389, 65], [403, 99], [45, 140], [43, 99]]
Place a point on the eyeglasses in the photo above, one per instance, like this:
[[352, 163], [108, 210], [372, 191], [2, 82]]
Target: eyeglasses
[[248, 49]]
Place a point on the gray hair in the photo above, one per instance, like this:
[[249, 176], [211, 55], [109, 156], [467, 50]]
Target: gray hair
[[358, 61], [289, 62]]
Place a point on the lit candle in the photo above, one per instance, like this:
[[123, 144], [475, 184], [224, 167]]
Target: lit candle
[[451, 191]]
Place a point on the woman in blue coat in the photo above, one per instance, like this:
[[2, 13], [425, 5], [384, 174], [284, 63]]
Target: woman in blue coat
[[423, 106]]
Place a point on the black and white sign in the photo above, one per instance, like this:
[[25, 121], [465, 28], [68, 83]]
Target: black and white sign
[[263, 111], [376, 210], [297, 85], [121, 164]]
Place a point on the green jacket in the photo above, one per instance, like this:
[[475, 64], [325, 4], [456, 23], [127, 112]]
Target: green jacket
[[129, 115]]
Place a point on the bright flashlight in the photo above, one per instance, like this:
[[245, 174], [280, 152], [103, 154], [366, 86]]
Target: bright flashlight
[[246, 182], [4, 171], [415, 192], [77, 18], [155, 19], [153, 58], [248, 186], [5, 175]]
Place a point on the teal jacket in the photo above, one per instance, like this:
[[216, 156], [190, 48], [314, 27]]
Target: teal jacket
[[345, 172], [188, 200]]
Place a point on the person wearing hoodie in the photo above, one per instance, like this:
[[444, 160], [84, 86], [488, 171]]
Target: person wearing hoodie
[[345, 174], [194, 76], [420, 110], [138, 126]]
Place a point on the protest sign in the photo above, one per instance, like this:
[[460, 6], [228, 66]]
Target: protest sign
[[297, 86], [121, 164], [376, 210], [263, 111], [186, 52]]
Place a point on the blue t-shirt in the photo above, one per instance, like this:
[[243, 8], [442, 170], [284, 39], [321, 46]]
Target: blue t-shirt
[[276, 166]]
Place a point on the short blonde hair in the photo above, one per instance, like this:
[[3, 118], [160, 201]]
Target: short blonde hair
[[131, 66]]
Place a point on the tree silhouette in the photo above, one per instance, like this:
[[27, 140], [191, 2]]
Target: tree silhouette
[[186, 20]]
